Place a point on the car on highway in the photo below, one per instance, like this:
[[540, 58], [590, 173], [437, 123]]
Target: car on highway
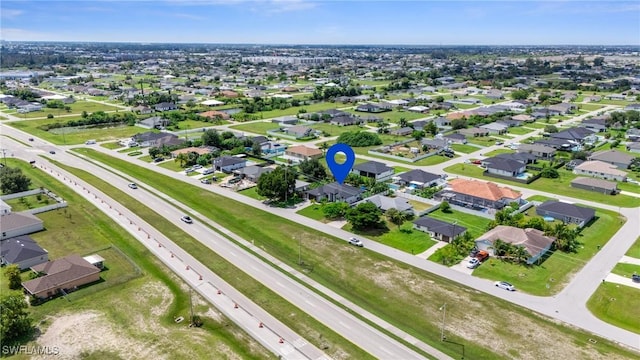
[[30, 139], [187, 219], [473, 263], [356, 242], [52, 152], [133, 185], [505, 285]]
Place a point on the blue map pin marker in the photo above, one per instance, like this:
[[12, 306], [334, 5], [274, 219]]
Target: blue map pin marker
[[340, 171]]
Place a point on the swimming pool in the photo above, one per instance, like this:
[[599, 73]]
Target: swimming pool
[[524, 176]]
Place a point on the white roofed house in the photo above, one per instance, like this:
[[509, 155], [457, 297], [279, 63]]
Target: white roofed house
[[600, 170]]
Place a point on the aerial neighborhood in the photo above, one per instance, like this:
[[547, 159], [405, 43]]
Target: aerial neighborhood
[[137, 172]]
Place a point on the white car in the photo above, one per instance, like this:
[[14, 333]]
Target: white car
[[133, 185], [356, 242], [473, 263], [187, 219], [505, 285]]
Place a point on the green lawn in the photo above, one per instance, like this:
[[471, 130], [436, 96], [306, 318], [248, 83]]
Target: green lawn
[[29, 202], [375, 282], [111, 145], [463, 148], [313, 211], [82, 229], [405, 238], [559, 186], [618, 305], [590, 107], [626, 270], [540, 124], [476, 225], [295, 109], [557, 269], [518, 130], [334, 130], [171, 165], [433, 160], [392, 116], [256, 127], [75, 135], [540, 198], [76, 108], [252, 192], [634, 250], [482, 140], [498, 152]]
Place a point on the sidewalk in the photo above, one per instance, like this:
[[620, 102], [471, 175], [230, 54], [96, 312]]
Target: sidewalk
[[617, 279], [431, 250], [629, 260]]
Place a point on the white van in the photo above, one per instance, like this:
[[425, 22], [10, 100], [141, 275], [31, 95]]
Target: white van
[[89, 142]]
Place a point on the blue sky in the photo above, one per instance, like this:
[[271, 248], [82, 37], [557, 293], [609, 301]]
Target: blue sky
[[421, 22]]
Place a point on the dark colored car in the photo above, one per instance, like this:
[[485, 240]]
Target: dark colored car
[[158, 159]]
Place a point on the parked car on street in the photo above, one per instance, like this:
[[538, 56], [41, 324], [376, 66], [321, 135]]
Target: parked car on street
[[356, 242], [473, 263], [505, 285]]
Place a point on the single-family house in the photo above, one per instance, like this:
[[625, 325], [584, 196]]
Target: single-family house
[[504, 166], [143, 110], [418, 109], [533, 240], [215, 115], [299, 131], [595, 185], [478, 194], [227, 164], [153, 139], [435, 144], [335, 192], [438, 229], [633, 147], [596, 124], [417, 178], [154, 122], [455, 138], [385, 203], [252, 173], [286, 120], [373, 169], [300, 153], [522, 157], [474, 132], [344, 120], [523, 118], [562, 108], [370, 108], [404, 131], [14, 224], [614, 157], [600, 170], [538, 150], [577, 134], [565, 212], [165, 106], [495, 128], [635, 106], [633, 134], [22, 251], [63, 274]]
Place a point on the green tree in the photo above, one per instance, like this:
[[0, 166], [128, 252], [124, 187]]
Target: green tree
[[324, 146], [256, 149], [519, 94], [403, 122], [182, 158], [549, 173], [12, 180], [278, 184], [313, 169], [550, 129], [364, 216], [335, 210], [431, 128], [212, 138], [14, 319], [12, 273], [395, 217], [154, 152], [445, 207]]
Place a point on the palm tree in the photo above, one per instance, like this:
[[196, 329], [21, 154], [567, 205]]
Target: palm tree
[[324, 146], [182, 158], [395, 216], [521, 254]]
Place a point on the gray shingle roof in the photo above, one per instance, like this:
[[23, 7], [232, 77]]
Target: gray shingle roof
[[373, 167], [20, 248], [440, 227], [571, 210]]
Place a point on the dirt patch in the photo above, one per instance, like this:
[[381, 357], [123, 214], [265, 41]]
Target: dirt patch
[[87, 332]]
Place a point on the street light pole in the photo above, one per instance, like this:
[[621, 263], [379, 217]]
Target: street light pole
[[443, 308], [299, 251]]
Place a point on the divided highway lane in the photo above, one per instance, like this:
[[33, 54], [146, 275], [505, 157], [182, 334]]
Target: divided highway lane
[[334, 317]]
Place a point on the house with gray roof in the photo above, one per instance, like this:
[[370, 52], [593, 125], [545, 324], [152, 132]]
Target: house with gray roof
[[504, 166], [495, 128], [418, 178], [596, 124], [455, 138], [61, 275], [565, 212], [577, 134], [335, 192], [595, 185], [540, 151], [614, 157], [21, 223], [154, 122], [253, 172], [373, 169], [299, 131], [385, 203], [438, 229], [633, 147], [22, 251], [227, 164]]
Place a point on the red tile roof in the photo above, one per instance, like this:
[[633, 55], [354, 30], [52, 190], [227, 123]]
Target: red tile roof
[[484, 190]]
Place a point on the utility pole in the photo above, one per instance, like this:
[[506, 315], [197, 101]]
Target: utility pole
[[443, 308], [4, 155], [299, 251], [191, 305]]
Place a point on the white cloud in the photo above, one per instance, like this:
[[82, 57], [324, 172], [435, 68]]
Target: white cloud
[[10, 13]]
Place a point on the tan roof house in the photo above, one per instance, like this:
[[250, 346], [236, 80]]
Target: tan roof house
[[533, 240], [600, 170], [63, 274], [300, 152]]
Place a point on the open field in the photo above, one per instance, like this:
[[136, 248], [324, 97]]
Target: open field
[[76, 108], [463, 148], [519, 130], [92, 322], [71, 136], [559, 186], [403, 238], [551, 275], [394, 291], [256, 127]]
